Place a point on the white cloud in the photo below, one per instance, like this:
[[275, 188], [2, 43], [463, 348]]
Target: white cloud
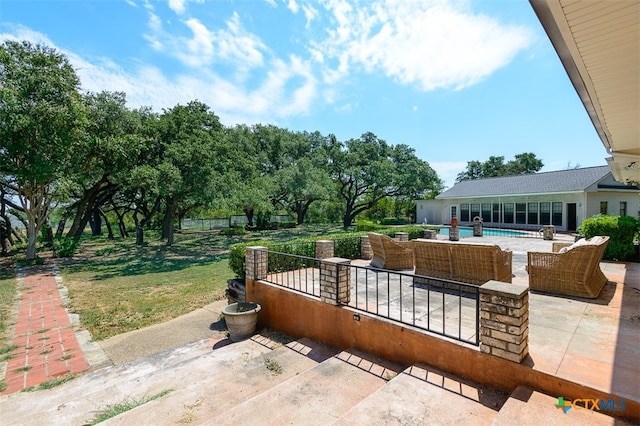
[[180, 6], [430, 44], [289, 89], [232, 46]]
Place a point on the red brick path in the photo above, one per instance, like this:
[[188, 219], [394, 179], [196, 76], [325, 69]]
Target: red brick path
[[47, 345]]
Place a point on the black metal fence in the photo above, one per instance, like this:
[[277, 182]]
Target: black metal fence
[[443, 307]]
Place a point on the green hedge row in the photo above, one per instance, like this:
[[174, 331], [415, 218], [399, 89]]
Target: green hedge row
[[623, 232], [345, 245]]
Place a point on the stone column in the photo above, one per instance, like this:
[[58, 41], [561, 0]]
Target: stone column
[[365, 248], [402, 236], [548, 232], [324, 249], [504, 320], [335, 280], [430, 234], [454, 233], [256, 261]]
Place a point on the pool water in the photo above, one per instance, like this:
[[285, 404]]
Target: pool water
[[468, 232]]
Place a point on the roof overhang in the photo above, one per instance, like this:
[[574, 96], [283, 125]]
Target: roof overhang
[[598, 43]]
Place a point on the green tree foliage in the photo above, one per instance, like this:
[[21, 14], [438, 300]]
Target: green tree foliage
[[42, 120], [188, 170], [366, 170], [522, 164], [110, 148], [622, 232]]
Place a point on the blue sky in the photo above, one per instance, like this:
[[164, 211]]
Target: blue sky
[[456, 80]]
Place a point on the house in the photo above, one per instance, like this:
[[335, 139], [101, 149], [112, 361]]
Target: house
[[561, 198], [598, 44]]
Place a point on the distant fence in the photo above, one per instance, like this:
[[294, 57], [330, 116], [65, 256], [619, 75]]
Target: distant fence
[[226, 222]]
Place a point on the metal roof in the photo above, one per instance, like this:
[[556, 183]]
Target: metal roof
[[598, 43], [571, 180]]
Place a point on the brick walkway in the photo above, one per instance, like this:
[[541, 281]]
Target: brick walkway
[[47, 347]]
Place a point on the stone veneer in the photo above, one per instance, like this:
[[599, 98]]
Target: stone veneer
[[335, 280], [504, 320], [324, 249]]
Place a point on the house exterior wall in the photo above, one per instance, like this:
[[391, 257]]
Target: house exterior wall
[[429, 212], [613, 200]]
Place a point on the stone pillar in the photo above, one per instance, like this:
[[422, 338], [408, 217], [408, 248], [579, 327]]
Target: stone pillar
[[430, 234], [504, 320], [324, 249], [335, 280], [256, 261], [454, 233], [402, 236], [548, 232], [365, 248]]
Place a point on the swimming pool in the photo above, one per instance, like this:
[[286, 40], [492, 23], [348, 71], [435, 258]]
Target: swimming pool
[[468, 232]]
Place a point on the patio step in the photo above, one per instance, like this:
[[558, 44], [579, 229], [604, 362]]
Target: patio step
[[424, 395], [212, 387], [80, 399], [526, 407], [319, 396]]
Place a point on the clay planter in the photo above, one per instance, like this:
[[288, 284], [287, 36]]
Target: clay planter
[[241, 319]]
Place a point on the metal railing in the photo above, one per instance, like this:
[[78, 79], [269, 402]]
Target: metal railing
[[443, 307], [298, 273]]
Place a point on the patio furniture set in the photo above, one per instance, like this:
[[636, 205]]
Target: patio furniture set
[[571, 269]]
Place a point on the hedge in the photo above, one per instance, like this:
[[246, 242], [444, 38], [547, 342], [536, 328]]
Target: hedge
[[345, 245], [623, 231]]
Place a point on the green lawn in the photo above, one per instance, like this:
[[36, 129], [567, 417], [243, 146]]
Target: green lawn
[[8, 289], [116, 286]]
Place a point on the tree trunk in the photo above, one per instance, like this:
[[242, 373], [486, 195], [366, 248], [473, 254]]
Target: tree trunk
[[107, 224], [32, 235], [249, 214], [167, 224], [95, 222], [139, 235]]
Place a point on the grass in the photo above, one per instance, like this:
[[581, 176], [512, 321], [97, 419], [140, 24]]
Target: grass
[[49, 384], [8, 290], [117, 409], [116, 286]]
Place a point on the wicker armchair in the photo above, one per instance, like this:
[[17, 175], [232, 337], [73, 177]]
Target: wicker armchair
[[573, 270], [389, 253], [463, 262]]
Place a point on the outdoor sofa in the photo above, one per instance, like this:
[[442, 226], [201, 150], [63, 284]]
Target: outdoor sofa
[[463, 262], [571, 270], [389, 253]]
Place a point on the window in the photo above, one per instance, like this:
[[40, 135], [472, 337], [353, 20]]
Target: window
[[454, 212], [603, 207], [464, 212], [496, 213], [521, 213], [556, 214], [623, 208], [486, 212], [475, 210], [532, 213], [545, 213], [508, 212]]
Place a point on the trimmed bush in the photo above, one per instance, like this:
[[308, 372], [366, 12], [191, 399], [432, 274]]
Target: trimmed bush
[[345, 245], [622, 232]]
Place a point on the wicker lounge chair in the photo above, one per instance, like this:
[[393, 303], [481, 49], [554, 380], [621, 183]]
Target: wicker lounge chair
[[573, 270], [389, 253], [463, 262]]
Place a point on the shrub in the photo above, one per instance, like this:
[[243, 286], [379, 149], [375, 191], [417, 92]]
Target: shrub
[[392, 221], [622, 231], [65, 246], [232, 231], [345, 245]]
